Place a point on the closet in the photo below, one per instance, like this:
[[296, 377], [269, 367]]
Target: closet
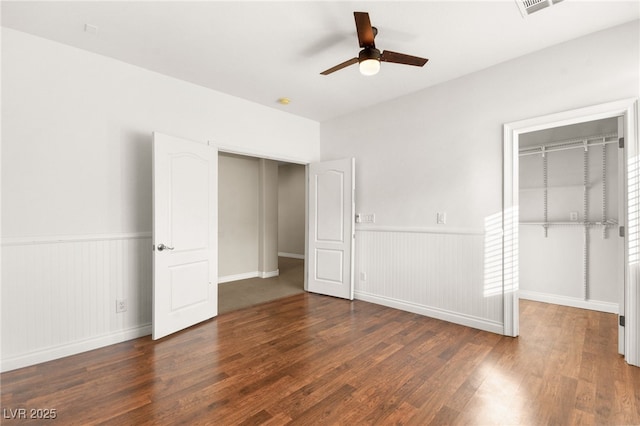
[[569, 249]]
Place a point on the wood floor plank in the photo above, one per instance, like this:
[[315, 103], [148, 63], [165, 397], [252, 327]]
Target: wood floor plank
[[310, 359]]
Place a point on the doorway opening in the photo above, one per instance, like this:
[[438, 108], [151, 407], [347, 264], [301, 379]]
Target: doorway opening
[[625, 114], [261, 230], [570, 205]]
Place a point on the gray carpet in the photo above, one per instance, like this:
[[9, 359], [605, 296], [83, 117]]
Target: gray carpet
[[240, 294]]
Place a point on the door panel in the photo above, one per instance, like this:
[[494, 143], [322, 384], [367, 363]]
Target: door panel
[[331, 228], [330, 219], [329, 265], [185, 221], [622, 279], [189, 285], [189, 211]]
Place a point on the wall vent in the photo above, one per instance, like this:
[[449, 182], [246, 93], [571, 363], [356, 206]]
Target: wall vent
[[527, 7]]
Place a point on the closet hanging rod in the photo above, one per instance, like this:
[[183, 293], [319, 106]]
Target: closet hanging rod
[[570, 144]]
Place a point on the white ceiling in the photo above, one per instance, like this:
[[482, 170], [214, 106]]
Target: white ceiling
[[265, 50]]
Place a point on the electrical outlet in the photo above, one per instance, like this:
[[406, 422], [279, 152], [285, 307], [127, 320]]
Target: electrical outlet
[[363, 276], [121, 306], [573, 216]]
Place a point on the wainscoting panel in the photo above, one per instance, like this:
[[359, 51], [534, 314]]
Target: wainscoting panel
[[430, 272], [59, 295]]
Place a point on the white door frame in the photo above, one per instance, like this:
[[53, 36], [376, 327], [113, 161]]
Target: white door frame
[[628, 109]]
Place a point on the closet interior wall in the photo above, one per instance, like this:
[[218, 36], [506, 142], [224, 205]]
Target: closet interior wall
[[568, 243]]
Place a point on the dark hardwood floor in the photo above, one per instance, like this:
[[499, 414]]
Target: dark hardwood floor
[[310, 359]]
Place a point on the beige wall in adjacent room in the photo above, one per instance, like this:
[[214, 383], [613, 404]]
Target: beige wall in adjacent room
[[268, 218], [291, 211], [238, 179]]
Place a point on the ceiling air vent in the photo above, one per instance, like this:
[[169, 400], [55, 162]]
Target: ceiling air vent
[[527, 7]]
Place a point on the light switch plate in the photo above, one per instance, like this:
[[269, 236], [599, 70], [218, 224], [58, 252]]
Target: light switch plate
[[365, 218], [441, 218]]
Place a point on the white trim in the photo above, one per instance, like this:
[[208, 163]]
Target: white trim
[[441, 314], [290, 255], [574, 302], [566, 118], [22, 241], [259, 154], [48, 354], [248, 275], [420, 230], [270, 274], [238, 277], [632, 237]]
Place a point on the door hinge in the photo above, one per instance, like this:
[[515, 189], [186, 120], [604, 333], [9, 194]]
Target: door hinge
[[621, 143], [621, 317], [621, 231]]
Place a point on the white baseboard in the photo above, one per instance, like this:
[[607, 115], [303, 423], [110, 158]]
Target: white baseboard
[[441, 314], [237, 277], [74, 348], [574, 302], [291, 255], [270, 274], [248, 275]]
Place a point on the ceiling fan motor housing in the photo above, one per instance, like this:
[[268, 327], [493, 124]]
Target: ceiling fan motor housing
[[369, 53]]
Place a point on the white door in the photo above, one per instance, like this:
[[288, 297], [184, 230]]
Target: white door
[[622, 279], [185, 224], [331, 232]]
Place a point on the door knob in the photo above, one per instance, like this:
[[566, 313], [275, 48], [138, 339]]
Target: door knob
[[163, 247]]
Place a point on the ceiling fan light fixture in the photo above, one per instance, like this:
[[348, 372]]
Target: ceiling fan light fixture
[[369, 59], [369, 67]]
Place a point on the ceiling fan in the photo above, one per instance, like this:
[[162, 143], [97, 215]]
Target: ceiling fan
[[369, 57]]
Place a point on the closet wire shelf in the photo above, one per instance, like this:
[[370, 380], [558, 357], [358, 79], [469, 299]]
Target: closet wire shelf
[[611, 223]]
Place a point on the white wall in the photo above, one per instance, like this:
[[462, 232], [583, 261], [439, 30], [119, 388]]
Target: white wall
[[551, 268], [291, 210], [440, 150], [76, 187]]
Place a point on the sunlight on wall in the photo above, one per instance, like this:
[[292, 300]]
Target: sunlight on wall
[[633, 188], [499, 277], [511, 266], [493, 255]]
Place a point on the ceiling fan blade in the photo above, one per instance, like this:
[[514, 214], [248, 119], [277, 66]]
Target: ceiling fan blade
[[340, 66], [364, 28], [401, 58]]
